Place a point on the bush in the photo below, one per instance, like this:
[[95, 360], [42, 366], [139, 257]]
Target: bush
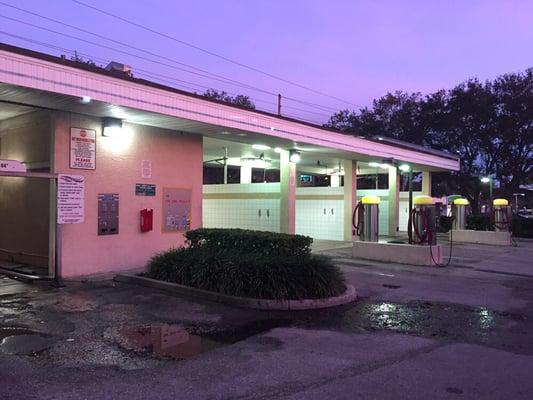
[[250, 242], [480, 222], [246, 270]]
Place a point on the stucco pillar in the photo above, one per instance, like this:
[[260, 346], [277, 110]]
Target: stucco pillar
[[394, 200], [426, 183], [350, 196], [287, 194], [246, 174]]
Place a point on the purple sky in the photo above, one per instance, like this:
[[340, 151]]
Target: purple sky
[[355, 50]]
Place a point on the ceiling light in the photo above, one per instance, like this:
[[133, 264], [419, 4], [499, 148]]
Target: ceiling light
[[384, 166], [373, 164], [294, 156], [241, 134], [260, 147], [278, 149], [485, 179], [85, 99]]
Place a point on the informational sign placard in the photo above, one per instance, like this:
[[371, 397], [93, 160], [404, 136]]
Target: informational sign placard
[[70, 199], [146, 169], [12, 166], [144, 189], [82, 148], [176, 210]]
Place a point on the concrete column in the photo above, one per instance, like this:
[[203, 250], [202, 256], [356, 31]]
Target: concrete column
[[426, 183], [287, 194], [246, 174], [350, 196], [394, 200]]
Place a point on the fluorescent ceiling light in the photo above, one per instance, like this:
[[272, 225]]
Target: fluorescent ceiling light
[[86, 99], [260, 147], [278, 149], [384, 166], [373, 164]]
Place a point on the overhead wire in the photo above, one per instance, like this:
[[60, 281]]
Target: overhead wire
[[229, 80], [211, 53]]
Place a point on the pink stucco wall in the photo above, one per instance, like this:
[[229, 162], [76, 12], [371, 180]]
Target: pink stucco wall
[[176, 162]]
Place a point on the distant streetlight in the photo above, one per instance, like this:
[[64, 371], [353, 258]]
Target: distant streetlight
[[488, 179]]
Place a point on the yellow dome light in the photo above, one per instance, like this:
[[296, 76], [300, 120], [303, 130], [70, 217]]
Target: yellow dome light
[[461, 202], [500, 202], [370, 200], [423, 200]]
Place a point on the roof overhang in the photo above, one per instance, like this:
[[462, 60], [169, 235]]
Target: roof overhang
[[47, 82]]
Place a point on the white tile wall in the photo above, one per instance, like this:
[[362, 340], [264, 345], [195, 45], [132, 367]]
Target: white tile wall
[[256, 214], [320, 219], [311, 219]]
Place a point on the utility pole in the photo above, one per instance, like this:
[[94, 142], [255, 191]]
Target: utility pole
[[279, 105], [225, 165]]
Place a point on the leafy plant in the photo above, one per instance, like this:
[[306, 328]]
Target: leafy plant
[[249, 264]]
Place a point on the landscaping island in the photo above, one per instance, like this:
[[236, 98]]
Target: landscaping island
[[260, 269]]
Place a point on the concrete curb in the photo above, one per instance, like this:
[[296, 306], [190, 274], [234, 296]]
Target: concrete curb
[[259, 304]]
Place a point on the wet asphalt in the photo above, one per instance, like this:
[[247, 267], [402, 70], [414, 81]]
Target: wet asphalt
[[473, 319]]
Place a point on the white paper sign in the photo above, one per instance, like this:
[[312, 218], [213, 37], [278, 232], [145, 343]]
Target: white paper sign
[[146, 169], [82, 148], [70, 199]]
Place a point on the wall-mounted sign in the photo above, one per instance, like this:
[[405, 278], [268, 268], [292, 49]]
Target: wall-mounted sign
[[176, 210], [146, 169], [70, 199], [12, 166], [82, 148], [144, 189]]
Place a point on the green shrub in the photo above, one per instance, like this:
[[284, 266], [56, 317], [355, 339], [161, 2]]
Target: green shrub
[[245, 270], [479, 222], [251, 242]]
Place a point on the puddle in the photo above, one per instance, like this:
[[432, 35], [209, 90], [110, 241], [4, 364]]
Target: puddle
[[430, 319], [23, 341], [179, 342], [163, 340]]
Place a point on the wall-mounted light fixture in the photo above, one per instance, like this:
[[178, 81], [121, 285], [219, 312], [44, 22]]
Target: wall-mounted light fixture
[[294, 156], [86, 99], [112, 127], [404, 167]]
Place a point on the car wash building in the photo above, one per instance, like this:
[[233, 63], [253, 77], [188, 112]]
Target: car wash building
[[101, 170]]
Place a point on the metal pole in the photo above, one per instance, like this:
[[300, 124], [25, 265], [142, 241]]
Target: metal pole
[[410, 223], [225, 165], [279, 105]]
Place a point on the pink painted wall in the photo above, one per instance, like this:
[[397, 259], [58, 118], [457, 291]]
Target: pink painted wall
[[176, 162]]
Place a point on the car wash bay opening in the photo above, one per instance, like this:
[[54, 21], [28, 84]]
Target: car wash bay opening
[[142, 163]]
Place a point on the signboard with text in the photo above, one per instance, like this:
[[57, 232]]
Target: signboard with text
[[70, 199], [82, 148]]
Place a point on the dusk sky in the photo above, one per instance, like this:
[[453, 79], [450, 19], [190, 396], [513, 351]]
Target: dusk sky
[[354, 50]]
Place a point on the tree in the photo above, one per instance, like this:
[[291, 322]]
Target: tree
[[239, 100], [489, 125]]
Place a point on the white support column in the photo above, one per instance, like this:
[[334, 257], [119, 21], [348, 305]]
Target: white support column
[[246, 174], [394, 200], [287, 194], [426, 183], [350, 196]]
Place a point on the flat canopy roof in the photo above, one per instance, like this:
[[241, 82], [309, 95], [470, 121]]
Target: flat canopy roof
[[35, 79]]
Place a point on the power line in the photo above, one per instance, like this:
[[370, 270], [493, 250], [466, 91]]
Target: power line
[[212, 53], [160, 77], [216, 77]]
